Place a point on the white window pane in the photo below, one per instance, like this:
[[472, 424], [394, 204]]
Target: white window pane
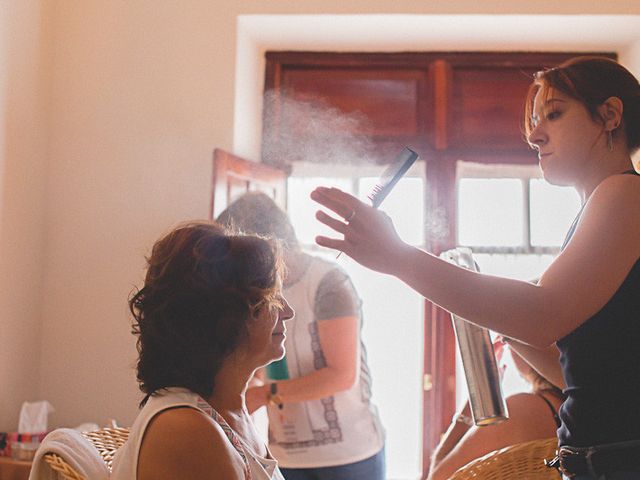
[[301, 208], [552, 211], [490, 212], [405, 205], [396, 361], [393, 334]]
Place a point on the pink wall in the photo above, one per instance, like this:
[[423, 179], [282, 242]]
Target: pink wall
[[110, 112], [24, 83]]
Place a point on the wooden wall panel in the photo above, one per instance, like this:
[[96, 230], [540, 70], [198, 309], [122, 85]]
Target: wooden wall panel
[[387, 101], [486, 108]]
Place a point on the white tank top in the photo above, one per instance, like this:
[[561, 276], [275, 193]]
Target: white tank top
[[337, 430], [125, 462]]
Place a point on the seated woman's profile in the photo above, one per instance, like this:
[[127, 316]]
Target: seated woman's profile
[[209, 314]]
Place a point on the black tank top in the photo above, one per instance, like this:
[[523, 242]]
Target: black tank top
[[601, 365]]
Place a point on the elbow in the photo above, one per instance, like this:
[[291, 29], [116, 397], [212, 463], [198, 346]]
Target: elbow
[[542, 342], [547, 335], [349, 380], [345, 380]]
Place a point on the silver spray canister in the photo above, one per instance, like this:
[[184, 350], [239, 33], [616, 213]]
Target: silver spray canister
[[478, 358]]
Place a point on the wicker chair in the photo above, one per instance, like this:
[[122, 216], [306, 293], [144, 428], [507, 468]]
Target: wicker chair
[[105, 440], [521, 461]]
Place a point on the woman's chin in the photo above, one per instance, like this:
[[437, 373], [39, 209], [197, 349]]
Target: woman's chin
[[278, 353], [555, 177]]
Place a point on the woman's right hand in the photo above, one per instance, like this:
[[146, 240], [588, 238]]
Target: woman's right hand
[[369, 235]]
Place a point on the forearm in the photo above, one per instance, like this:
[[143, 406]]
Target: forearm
[[514, 308], [545, 361], [445, 463], [319, 384], [450, 439]]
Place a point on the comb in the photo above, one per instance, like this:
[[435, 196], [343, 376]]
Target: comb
[[392, 175]]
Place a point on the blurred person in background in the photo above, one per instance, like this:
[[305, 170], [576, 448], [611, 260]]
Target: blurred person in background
[[322, 424]]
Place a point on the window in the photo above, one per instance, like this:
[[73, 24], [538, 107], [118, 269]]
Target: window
[[515, 223]]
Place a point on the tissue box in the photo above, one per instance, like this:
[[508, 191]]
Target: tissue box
[[8, 438]]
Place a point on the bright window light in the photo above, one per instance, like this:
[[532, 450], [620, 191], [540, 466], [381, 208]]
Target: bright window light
[[552, 211], [393, 315], [490, 212], [301, 208], [405, 205]]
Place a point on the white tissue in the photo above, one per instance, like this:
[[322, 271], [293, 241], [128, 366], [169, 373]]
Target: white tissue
[[86, 427], [33, 417]]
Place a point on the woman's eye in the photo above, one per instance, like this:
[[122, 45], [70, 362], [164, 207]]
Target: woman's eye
[[552, 115]]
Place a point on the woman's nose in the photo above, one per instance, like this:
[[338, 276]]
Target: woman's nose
[[286, 312], [537, 137]]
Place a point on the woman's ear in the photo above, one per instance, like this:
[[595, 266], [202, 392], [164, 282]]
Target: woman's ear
[[611, 113]]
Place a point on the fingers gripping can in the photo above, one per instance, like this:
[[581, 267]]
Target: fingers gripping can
[[478, 358]]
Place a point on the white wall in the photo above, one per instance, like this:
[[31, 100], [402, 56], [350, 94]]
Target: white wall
[[23, 145], [139, 95]]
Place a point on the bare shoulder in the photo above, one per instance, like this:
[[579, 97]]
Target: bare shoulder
[[522, 402], [614, 205], [530, 418], [618, 191], [185, 443]]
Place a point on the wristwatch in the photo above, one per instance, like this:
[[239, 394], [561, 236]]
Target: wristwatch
[[274, 398]]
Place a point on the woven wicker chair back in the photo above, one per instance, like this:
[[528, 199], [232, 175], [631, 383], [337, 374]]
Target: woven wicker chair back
[[524, 460], [105, 440]]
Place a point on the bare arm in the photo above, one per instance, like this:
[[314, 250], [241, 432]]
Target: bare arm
[[185, 443], [339, 340], [545, 361], [450, 439], [578, 283]]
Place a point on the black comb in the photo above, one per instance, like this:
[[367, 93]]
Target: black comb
[[392, 175]]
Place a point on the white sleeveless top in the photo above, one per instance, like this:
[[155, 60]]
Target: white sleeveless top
[[344, 427], [125, 462]]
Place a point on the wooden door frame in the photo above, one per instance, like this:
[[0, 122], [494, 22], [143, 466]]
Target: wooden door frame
[[227, 166]]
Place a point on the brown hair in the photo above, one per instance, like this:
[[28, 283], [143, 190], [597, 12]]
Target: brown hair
[[202, 288], [591, 81]]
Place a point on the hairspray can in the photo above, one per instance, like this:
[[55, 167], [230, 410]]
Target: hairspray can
[[478, 358]]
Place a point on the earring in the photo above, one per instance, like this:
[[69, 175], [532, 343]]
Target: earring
[[610, 140]]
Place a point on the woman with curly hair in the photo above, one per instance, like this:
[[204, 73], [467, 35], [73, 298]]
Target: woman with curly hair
[[210, 313]]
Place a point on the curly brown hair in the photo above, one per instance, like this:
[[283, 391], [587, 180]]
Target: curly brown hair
[[202, 288]]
